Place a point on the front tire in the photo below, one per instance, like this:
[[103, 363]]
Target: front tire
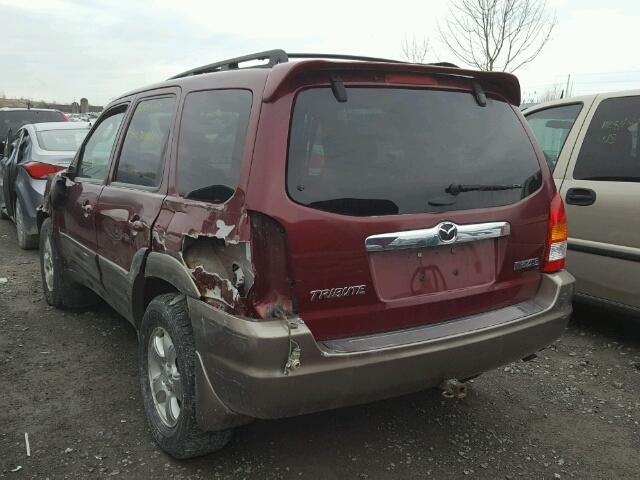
[[166, 360], [59, 291], [26, 241]]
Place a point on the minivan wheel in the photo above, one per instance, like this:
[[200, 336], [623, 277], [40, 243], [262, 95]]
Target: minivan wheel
[[166, 363], [26, 241], [59, 291]]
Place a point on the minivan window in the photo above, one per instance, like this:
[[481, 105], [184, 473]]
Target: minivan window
[[610, 147], [94, 163], [211, 146], [392, 151], [551, 127], [143, 150]]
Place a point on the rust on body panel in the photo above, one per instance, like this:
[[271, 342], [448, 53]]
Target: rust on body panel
[[212, 243]]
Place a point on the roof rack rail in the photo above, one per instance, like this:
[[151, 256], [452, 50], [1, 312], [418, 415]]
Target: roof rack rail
[[331, 56], [274, 57], [277, 56]]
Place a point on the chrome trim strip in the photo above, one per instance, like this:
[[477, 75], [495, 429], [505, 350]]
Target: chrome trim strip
[[429, 237]]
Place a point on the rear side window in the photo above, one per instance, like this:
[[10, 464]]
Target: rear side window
[[393, 151], [212, 137], [94, 161], [610, 149], [551, 127], [67, 140], [145, 144]]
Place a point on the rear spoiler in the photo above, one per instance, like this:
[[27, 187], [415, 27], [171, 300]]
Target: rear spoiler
[[502, 83]]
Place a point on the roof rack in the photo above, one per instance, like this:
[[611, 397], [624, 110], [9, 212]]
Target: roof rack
[[277, 56]]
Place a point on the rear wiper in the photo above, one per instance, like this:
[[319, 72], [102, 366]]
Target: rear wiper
[[456, 188]]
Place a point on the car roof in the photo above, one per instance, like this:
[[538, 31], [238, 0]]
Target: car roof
[[272, 77], [562, 101], [578, 99], [14, 109]]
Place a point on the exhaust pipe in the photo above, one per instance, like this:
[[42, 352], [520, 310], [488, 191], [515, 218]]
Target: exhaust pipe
[[453, 388]]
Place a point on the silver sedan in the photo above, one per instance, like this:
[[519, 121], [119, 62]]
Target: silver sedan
[[39, 151]]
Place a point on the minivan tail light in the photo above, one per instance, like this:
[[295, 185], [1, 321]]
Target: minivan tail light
[[555, 251], [41, 171]]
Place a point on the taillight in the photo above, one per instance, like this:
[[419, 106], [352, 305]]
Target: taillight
[[555, 251], [65, 117], [272, 292], [40, 171]]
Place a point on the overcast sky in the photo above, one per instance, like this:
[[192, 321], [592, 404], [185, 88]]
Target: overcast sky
[[66, 49]]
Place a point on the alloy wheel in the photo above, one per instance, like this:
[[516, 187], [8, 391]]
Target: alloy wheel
[[164, 377]]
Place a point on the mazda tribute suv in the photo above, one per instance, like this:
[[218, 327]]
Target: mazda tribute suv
[[296, 236]]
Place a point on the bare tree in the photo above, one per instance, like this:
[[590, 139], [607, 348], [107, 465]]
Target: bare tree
[[414, 50], [497, 34]]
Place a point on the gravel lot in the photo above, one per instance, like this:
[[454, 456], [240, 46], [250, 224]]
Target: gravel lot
[[68, 379]]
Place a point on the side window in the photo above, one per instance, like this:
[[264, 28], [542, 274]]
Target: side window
[[143, 150], [610, 149], [212, 137], [551, 127], [94, 160]]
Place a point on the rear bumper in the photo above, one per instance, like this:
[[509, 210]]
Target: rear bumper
[[241, 362]]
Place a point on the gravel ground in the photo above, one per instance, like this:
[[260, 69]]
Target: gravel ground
[[68, 379]]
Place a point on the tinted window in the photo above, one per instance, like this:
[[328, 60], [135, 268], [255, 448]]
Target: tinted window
[[610, 148], [61, 140], [142, 156], [97, 150], [212, 138], [14, 119], [551, 127], [396, 151]]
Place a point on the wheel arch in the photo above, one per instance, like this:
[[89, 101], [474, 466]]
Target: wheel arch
[[161, 273]]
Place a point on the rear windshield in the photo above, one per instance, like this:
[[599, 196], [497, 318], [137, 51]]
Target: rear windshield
[[67, 140], [14, 119], [388, 151]]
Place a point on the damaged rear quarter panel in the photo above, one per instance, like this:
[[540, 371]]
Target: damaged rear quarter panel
[[212, 242]]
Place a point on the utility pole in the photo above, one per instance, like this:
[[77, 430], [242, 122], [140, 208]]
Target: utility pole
[[568, 79]]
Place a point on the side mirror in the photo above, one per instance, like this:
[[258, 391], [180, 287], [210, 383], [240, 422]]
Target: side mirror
[[58, 190], [70, 173]]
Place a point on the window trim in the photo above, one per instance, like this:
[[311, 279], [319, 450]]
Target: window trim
[[77, 161], [176, 176], [560, 105], [116, 159]]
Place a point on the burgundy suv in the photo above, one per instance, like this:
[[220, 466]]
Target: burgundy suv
[[300, 236]]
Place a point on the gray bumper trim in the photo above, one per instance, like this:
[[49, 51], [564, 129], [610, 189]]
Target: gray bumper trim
[[244, 359]]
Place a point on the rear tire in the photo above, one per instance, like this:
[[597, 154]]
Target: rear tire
[[59, 291], [26, 241], [167, 349]]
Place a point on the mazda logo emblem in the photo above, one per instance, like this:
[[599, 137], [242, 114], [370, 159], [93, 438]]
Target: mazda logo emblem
[[447, 232]]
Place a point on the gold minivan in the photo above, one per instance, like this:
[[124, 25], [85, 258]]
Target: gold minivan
[[592, 145]]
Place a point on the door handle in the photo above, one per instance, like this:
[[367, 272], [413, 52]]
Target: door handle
[[580, 196]]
